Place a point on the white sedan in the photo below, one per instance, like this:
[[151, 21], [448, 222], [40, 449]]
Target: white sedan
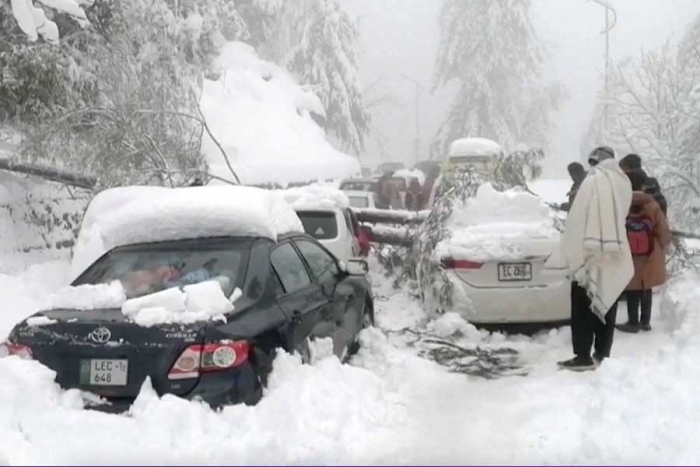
[[494, 259]]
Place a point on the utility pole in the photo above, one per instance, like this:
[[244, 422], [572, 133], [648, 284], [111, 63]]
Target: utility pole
[[610, 23], [419, 92]]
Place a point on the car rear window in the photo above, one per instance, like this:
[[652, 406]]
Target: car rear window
[[359, 202], [357, 186], [321, 225], [147, 269]]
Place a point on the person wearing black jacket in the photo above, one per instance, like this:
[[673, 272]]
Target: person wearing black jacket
[[577, 173]]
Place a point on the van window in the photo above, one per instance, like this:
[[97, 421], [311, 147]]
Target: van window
[[321, 225]]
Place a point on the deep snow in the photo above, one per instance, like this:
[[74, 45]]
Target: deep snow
[[390, 405]]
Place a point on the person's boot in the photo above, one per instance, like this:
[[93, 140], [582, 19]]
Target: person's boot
[[646, 327], [578, 363], [631, 328], [598, 359]]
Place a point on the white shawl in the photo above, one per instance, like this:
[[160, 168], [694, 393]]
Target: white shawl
[[594, 246]]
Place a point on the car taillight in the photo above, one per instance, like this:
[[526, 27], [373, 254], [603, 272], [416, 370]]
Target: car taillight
[[8, 349], [451, 263], [208, 358]]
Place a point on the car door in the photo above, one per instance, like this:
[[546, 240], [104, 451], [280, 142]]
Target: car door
[[301, 299], [342, 320]]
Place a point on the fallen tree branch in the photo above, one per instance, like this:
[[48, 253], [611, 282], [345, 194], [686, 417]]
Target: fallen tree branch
[[49, 173]]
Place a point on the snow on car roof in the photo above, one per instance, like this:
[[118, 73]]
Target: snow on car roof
[[315, 197], [132, 215], [498, 225], [475, 147]]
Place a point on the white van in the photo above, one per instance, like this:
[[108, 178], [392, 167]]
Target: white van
[[478, 153]]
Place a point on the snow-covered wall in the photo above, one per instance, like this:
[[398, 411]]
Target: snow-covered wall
[[39, 221]]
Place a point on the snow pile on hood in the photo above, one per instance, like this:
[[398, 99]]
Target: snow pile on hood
[[262, 118], [495, 225], [197, 302], [132, 215], [316, 196], [475, 147]]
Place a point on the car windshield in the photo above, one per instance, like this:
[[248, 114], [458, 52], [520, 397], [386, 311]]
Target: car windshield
[[147, 269], [321, 225], [357, 185], [359, 202]]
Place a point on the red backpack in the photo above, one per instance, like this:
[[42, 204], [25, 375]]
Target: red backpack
[[640, 234]]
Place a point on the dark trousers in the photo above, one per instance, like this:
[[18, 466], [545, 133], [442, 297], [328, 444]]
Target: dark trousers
[[587, 329], [636, 300]]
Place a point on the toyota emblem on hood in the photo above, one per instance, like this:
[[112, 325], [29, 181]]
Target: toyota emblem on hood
[[101, 335]]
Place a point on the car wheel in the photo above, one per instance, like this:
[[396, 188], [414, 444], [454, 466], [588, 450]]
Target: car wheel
[[367, 322]]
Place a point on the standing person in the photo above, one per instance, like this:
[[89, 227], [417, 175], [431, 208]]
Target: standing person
[[380, 189], [653, 189], [649, 237], [595, 251], [432, 181], [414, 196], [577, 173], [631, 162]]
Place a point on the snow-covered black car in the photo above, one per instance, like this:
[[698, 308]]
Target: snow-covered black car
[[201, 317]]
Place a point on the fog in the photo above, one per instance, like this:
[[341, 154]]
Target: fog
[[399, 40]]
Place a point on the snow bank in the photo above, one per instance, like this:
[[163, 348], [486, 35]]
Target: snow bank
[[475, 147], [316, 196], [124, 216], [495, 225], [262, 118]]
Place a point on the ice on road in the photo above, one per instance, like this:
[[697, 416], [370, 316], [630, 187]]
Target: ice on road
[[392, 404]]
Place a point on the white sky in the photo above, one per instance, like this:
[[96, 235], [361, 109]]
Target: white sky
[[400, 37]]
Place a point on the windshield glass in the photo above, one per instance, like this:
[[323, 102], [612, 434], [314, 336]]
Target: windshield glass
[[319, 224], [359, 202], [148, 269]]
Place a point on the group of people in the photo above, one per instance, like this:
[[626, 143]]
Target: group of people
[[615, 244], [417, 197]]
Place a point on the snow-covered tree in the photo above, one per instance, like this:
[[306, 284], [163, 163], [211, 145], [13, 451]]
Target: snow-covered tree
[[33, 20], [490, 48], [317, 40]]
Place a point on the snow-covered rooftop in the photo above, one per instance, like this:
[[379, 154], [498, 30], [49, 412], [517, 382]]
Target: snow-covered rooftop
[[262, 118], [316, 196], [130, 215], [475, 147]]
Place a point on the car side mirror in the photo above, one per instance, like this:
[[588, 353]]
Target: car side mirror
[[356, 267]]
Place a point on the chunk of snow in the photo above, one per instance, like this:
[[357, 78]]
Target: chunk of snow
[[475, 147], [36, 321], [172, 300], [89, 297], [198, 302], [495, 225], [133, 215], [207, 297], [262, 118]]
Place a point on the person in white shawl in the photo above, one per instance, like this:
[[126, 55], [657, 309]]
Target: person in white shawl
[[595, 251]]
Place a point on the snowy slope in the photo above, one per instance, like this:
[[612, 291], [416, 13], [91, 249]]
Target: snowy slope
[[391, 405], [261, 117]]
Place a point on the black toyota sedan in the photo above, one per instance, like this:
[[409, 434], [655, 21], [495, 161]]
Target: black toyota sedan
[[293, 291]]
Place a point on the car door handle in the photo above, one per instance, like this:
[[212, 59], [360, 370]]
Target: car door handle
[[296, 316]]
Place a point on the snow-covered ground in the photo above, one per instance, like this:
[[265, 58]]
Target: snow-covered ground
[[393, 404]]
